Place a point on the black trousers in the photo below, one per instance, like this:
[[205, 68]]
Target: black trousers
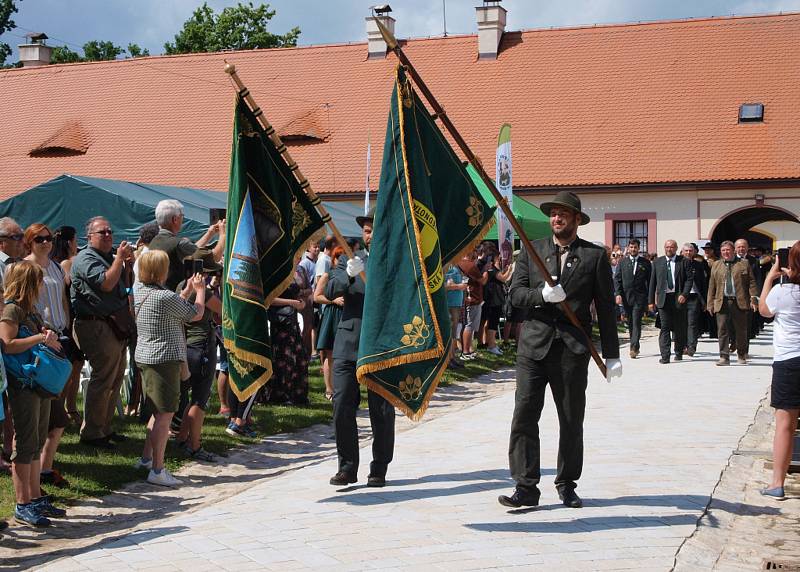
[[346, 398], [673, 326], [566, 374], [694, 317], [634, 314], [732, 320]]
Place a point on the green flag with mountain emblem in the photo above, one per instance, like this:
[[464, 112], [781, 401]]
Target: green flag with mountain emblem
[[428, 213], [269, 220]]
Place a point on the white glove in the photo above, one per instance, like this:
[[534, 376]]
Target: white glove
[[355, 266], [613, 369], [553, 294]]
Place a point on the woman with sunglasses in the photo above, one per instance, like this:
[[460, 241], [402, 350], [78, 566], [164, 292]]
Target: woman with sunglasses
[[52, 304]]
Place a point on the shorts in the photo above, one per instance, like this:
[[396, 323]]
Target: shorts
[[491, 315], [58, 414], [785, 393], [202, 365], [472, 317], [161, 383], [30, 414]]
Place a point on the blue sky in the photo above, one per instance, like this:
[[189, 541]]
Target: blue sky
[[150, 23]]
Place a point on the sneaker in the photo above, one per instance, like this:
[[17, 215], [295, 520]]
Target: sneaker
[[142, 464], [249, 432], [202, 455], [27, 514], [163, 479], [468, 357], [53, 478], [45, 508], [234, 430], [776, 493], [495, 350], [455, 364]]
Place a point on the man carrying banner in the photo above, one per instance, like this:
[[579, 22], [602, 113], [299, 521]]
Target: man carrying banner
[[553, 351], [345, 281]]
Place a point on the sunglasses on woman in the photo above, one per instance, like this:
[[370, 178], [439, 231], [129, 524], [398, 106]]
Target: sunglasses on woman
[[42, 239]]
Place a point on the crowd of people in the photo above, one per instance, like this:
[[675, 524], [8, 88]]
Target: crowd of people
[[159, 302]]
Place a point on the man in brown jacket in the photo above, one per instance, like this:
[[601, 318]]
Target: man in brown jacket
[[731, 295]]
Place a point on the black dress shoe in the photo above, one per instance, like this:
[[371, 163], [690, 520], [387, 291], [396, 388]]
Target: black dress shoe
[[342, 479], [518, 499], [678, 357], [663, 360], [376, 481], [100, 443], [570, 498], [117, 438]]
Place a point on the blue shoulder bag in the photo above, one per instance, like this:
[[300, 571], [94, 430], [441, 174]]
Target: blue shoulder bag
[[40, 367]]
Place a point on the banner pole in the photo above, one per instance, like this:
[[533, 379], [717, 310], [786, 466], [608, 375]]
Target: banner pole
[[269, 130], [391, 43]]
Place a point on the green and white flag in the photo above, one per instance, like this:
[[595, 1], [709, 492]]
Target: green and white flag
[[505, 231], [428, 213]]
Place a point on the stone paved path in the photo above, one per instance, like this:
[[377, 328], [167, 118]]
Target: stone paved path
[[656, 443]]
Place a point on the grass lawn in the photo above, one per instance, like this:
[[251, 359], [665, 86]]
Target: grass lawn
[[93, 473]]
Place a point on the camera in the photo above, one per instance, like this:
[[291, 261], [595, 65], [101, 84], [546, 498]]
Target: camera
[[191, 267]]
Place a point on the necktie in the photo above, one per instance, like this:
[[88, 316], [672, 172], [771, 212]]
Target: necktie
[[728, 279], [633, 261], [670, 278], [562, 258]]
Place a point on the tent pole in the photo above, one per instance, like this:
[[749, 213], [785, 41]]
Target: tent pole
[[391, 43], [269, 130]]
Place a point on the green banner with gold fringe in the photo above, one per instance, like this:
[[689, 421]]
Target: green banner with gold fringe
[[428, 213], [270, 221]]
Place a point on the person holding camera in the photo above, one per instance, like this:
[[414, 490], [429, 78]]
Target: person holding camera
[[30, 410], [160, 352], [201, 357], [99, 298], [782, 301]]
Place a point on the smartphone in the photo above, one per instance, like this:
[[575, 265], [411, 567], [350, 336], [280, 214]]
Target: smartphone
[[783, 258], [192, 267], [215, 215]]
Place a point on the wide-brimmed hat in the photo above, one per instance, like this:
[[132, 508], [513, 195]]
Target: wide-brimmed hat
[[565, 199], [209, 264], [369, 217], [708, 244]]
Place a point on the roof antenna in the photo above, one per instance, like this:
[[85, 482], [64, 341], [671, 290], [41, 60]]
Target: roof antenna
[[444, 16]]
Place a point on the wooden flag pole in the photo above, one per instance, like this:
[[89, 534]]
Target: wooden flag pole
[[244, 93], [392, 44]]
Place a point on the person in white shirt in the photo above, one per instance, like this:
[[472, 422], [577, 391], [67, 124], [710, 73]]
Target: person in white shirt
[[783, 302]]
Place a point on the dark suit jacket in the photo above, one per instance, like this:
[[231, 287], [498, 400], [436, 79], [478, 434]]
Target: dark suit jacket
[[700, 280], [757, 274], [586, 279], [345, 344], [684, 277], [633, 289]]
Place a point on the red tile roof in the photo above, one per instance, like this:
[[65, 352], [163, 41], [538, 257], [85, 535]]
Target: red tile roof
[[622, 104]]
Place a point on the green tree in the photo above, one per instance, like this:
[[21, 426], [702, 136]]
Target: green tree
[[63, 55], [242, 27], [7, 8], [96, 51], [136, 51]]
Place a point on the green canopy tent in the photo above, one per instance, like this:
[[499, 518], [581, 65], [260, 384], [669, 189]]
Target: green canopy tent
[[535, 223], [72, 200]]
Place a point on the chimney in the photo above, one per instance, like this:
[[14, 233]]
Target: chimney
[[491, 25], [375, 45], [35, 52]]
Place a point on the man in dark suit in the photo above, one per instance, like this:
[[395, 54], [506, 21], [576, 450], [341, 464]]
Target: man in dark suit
[[696, 302], [670, 285], [345, 280], [631, 283], [742, 248], [553, 351]]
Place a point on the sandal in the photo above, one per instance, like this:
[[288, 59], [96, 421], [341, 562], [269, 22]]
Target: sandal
[[329, 395]]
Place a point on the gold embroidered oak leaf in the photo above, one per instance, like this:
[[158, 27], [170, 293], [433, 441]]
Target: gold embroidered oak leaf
[[410, 388], [474, 211]]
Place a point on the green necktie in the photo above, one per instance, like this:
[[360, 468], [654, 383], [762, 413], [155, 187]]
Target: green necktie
[[670, 279], [729, 279]]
